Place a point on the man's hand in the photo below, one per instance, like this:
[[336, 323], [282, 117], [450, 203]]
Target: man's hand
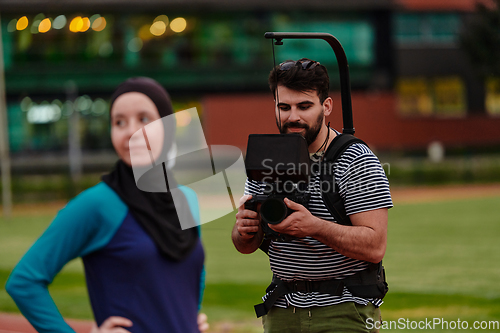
[[247, 221], [202, 323], [300, 223], [113, 325], [247, 232]]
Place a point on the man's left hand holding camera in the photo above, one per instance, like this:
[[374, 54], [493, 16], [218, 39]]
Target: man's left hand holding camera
[[247, 233]]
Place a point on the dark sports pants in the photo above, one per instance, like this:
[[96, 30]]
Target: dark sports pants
[[347, 317]]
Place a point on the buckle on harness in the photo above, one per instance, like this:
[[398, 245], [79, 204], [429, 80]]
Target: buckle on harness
[[301, 286]]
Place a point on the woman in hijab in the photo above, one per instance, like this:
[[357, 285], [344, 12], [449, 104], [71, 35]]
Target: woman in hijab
[[144, 273]]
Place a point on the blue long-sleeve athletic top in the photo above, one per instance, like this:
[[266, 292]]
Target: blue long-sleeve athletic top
[[125, 272]]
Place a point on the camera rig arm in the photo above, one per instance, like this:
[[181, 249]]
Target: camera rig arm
[[345, 83]]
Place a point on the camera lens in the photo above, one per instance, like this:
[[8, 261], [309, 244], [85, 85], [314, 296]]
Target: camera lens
[[273, 210]]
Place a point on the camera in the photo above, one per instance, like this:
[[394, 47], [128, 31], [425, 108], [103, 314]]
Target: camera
[[280, 162]]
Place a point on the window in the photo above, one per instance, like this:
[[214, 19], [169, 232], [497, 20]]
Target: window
[[440, 96], [414, 97], [493, 96], [356, 36], [426, 28], [449, 96]]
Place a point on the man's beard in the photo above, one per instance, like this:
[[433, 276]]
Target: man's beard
[[311, 132]]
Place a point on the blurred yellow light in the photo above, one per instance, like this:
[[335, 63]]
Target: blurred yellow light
[[99, 24], [163, 18], [45, 25], [158, 28], [85, 25], [22, 23], [76, 24], [178, 24], [144, 32]]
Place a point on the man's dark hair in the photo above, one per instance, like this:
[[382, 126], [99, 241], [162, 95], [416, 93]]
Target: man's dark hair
[[305, 74]]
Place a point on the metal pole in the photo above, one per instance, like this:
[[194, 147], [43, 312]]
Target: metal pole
[[74, 146], [4, 139]]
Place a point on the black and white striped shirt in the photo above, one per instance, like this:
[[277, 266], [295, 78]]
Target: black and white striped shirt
[[363, 186]]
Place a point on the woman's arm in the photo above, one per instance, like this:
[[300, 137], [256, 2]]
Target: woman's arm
[[83, 226]]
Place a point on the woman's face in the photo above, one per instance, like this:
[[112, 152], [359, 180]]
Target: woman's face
[[131, 112]]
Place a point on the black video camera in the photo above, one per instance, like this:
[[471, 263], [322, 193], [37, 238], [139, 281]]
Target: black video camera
[[281, 162]]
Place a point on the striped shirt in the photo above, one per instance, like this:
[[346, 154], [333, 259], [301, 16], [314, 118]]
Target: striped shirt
[[363, 186]]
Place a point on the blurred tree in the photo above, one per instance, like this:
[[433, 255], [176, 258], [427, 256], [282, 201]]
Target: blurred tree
[[480, 39]]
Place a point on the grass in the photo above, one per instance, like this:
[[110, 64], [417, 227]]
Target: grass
[[441, 262]]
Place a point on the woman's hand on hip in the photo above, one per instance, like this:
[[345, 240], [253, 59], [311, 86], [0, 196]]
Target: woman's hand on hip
[[202, 323], [112, 325]]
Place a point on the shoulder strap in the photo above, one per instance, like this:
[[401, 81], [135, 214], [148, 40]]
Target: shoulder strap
[[339, 145], [264, 246], [329, 188]]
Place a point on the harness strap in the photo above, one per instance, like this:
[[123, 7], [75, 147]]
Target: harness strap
[[333, 201], [369, 283]]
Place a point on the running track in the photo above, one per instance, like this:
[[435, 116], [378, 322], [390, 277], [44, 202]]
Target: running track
[[13, 323]]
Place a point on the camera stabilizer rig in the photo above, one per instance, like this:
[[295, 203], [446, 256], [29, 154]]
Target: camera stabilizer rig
[[368, 283], [287, 155]]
